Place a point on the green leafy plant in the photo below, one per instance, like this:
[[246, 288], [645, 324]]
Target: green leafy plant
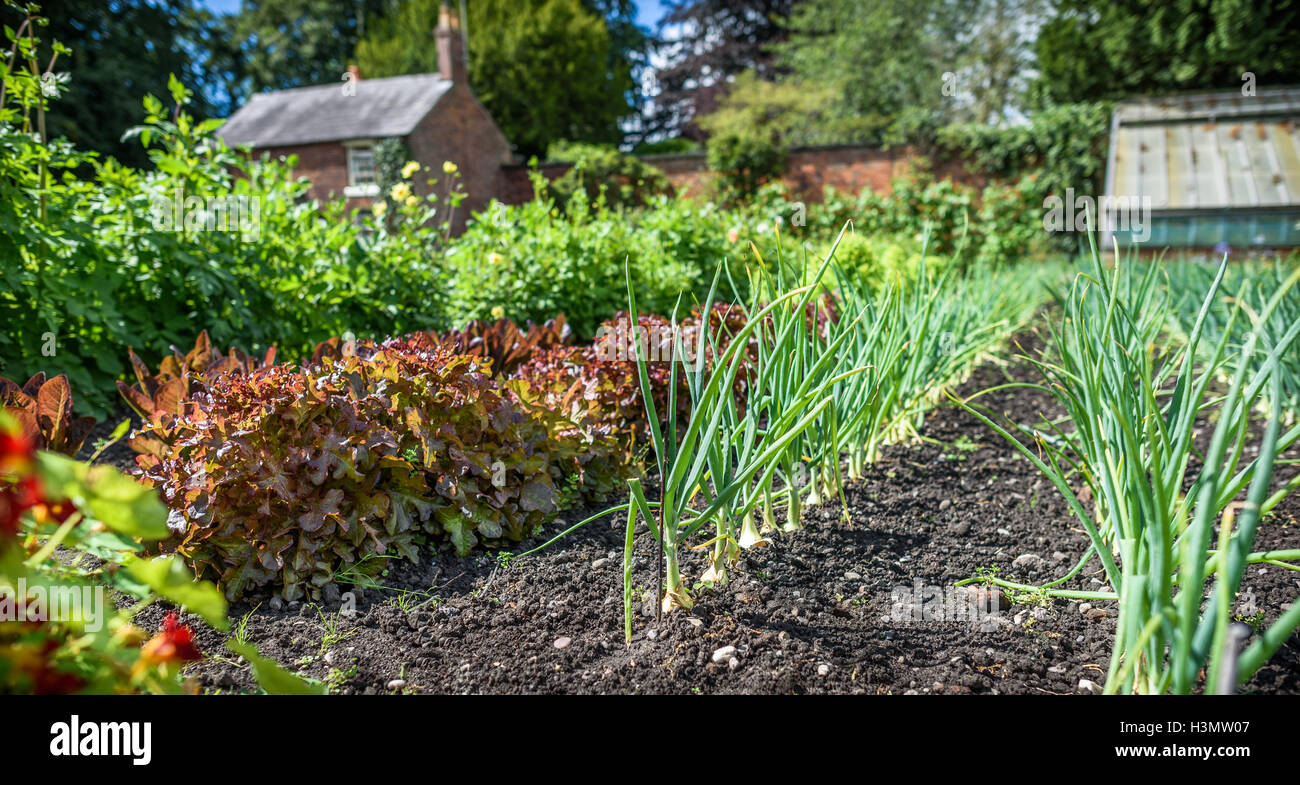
[[606, 176], [743, 162]]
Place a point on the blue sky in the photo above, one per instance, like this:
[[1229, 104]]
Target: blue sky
[[648, 11]]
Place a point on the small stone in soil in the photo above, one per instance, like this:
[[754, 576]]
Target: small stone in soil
[[724, 654], [823, 669], [396, 684], [1086, 685], [852, 576], [562, 642]]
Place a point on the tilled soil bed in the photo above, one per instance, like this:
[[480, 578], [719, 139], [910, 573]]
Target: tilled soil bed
[[832, 608]]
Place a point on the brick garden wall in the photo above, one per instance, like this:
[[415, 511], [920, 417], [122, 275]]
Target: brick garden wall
[[809, 170]]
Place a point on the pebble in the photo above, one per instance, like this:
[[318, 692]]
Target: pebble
[[733, 663], [597, 564], [1084, 607], [396, 684], [945, 504], [961, 530], [651, 634], [1027, 560], [1059, 556], [1096, 614], [1004, 532], [724, 654], [823, 669], [994, 623], [852, 576], [562, 642], [1088, 686], [276, 603], [1041, 614]]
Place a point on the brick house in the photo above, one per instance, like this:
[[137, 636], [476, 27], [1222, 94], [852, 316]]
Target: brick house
[[333, 128]]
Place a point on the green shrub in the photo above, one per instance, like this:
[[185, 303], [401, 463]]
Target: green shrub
[[94, 265], [878, 262], [744, 162], [605, 174], [531, 261]]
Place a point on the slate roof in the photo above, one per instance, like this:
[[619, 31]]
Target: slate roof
[[306, 115]]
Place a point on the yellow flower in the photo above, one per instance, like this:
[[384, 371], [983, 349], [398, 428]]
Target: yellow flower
[[399, 192], [378, 209], [448, 167], [498, 312], [495, 258], [412, 201], [410, 169]]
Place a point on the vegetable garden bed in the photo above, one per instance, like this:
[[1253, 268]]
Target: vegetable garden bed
[[816, 613]]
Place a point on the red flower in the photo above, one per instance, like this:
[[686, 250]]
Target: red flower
[[174, 643], [17, 499], [16, 453]]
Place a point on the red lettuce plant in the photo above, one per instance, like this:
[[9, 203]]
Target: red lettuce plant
[[285, 476], [43, 411], [179, 376]]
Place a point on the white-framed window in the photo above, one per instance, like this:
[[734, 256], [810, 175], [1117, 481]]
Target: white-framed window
[[361, 170]]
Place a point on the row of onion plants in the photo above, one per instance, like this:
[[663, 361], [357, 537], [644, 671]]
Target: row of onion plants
[[1135, 399]]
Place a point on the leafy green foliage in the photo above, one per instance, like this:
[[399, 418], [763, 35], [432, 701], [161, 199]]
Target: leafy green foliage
[[1093, 50], [744, 161], [606, 175], [532, 261], [48, 501], [126, 257]]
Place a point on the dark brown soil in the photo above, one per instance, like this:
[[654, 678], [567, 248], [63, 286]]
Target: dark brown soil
[[814, 613]]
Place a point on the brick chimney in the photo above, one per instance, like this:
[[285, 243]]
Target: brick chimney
[[451, 47]]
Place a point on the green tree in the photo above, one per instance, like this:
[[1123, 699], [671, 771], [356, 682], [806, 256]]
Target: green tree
[[1092, 50], [110, 69], [279, 44], [790, 113], [885, 61], [546, 70]]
